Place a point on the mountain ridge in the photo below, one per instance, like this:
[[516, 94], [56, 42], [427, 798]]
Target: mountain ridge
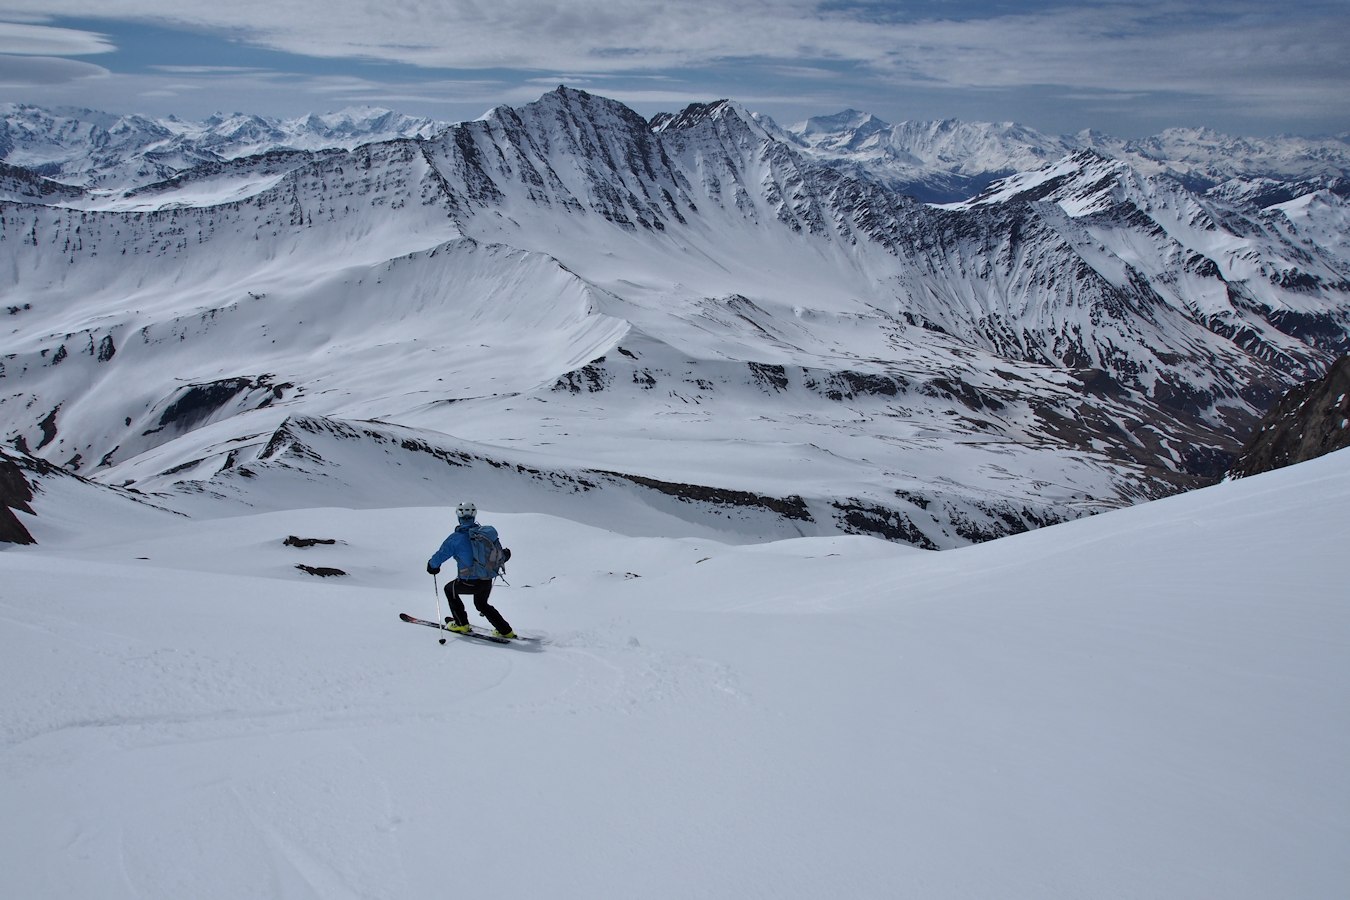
[[696, 303], [938, 161]]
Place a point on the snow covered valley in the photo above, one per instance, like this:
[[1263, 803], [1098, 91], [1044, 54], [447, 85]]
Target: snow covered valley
[[1149, 702]]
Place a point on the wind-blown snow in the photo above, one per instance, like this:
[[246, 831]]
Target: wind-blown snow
[[1151, 702]]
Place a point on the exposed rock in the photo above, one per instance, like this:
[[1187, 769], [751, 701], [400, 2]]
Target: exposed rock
[[793, 507], [858, 517], [15, 493], [194, 404], [321, 571], [1312, 420], [12, 530], [293, 541]]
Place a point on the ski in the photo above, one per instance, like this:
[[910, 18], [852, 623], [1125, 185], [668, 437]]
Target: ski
[[475, 633], [446, 631], [518, 639]]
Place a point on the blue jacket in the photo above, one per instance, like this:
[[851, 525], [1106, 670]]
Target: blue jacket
[[458, 545]]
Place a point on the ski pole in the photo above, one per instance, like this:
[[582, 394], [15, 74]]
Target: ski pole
[[436, 589]]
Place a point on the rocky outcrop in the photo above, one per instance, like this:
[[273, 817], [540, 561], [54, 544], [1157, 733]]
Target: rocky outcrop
[[15, 493], [1313, 419]]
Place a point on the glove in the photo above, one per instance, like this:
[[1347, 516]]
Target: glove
[[506, 554], [433, 570]]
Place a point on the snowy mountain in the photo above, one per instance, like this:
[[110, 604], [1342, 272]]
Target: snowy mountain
[[932, 161], [95, 150], [948, 161], [22, 186], [1203, 158], [694, 315]]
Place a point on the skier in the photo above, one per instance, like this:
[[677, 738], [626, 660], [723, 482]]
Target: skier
[[475, 575]]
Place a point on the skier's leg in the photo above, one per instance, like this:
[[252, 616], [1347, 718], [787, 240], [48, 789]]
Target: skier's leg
[[481, 590], [457, 610]]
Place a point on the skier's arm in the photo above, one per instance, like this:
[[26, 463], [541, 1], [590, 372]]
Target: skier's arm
[[441, 555]]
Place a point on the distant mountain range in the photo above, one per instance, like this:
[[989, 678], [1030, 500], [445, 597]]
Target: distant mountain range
[[951, 160], [107, 152], [756, 330], [940, 161]]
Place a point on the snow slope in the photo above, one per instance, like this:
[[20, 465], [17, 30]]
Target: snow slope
[[1148, 703]]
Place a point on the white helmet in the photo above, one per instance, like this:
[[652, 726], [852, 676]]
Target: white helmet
[[466, 510]]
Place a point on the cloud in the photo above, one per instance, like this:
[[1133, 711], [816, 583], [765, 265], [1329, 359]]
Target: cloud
[[1241, 56], [44, 40], [1124, 48], [207, 70], [1130, 46], [43, 71], [197, 91]]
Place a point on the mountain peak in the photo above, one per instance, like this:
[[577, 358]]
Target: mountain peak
[[850, 120], [1080, 181], [723, 115], [688, 117]]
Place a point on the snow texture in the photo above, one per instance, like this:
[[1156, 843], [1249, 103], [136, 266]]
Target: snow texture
[[1151, 702]]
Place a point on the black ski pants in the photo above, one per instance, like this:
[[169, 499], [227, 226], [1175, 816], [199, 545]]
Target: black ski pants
[[479, 589]]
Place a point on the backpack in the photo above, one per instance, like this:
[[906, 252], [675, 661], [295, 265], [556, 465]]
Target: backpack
[[489, 559]]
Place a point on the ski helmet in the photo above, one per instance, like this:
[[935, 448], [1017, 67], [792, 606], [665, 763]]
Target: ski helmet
[[466, 510]]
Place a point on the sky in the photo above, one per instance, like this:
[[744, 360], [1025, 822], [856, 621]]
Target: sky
[[1127, 68]]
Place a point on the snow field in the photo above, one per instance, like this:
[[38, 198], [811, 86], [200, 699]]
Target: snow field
[[1147, 703]]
